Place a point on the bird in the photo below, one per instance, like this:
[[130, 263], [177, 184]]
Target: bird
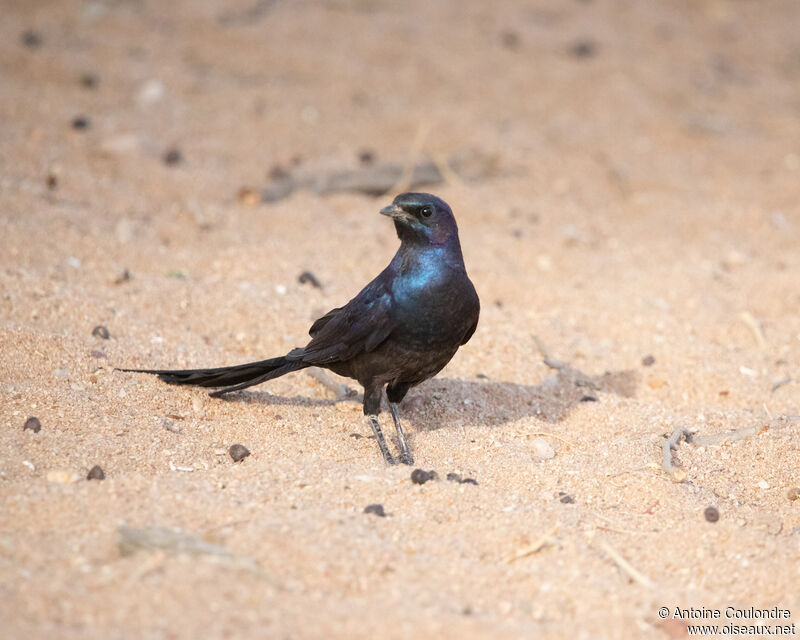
[[400, 330]]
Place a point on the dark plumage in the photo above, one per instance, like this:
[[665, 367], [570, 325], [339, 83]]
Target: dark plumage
[[400, 330]]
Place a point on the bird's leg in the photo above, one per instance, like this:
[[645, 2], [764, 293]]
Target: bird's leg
[[376, 429], [405, 453]]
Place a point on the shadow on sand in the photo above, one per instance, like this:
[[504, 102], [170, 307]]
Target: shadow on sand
[[486, 402]]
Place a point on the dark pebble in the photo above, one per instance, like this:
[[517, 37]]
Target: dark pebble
[[32, 424], [310, 278], [80, 123], [31, 39], [89, 81], [52, 181], [469, 481], [510, 40], [420, 476], [238, 452], [172, 157], [278, 172], [793, 494], [375, 509], [101, 332], [366, 156], [711, 514], [454, 477], [583, 49], [96, 473], [481, 376], [648, 361], [567, 499], [589, 399]]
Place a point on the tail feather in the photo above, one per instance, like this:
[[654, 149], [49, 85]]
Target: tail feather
[[232, 378]]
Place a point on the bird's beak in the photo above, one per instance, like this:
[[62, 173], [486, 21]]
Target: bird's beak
[[393, 211]]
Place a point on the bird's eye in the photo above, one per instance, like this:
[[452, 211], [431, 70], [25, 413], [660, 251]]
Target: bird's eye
[[426, 211]]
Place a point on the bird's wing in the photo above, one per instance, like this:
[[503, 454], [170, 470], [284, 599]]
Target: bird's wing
[[359, 326]]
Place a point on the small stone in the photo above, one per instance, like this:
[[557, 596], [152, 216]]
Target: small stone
[[62, 477], [583, 49], [469, 481], [31, 39], [249, 196], [32, 424], [762, 484], [101, 332], [793, 494], [589, 399], [711, 514], [510, 40], [567, 499], [89, 81], [310, 278], [96, 473], [172, 157], [366, 156], [375, 509], [454, 477], [420, 476], [52, 181], [238, 452], [80, 123], [541, 449], [648, 361]]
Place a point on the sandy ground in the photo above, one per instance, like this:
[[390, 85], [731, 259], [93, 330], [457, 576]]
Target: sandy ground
[[637, 196]]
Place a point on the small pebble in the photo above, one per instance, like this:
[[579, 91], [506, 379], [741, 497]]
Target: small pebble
[[469, 481], [375, 509], [583, 49], [420, 476], [793, 494], [366, 156], [454, 477], [238, 452], [80, 123], [278, 172], [567, 499], [711, 514], [648, 361], [31, 39], [310, 278], [101, 332], [32, 424], [96, 473], [249, 196], [52, 181], [481, 376], [589, 399], [89, 81], [172, 157], [510, 40]]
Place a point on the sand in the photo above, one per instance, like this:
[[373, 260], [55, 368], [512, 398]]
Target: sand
[[636, 195]]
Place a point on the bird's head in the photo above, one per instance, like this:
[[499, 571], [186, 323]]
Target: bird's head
[[422, 218]]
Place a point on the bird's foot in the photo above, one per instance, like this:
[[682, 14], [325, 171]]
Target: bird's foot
[[405, 452], [407, 458]]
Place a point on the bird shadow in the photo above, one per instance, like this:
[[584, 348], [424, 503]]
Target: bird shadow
[[491, 403], [487, 402]]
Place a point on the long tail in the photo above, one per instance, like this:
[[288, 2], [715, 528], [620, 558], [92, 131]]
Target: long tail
[[233, 378]]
